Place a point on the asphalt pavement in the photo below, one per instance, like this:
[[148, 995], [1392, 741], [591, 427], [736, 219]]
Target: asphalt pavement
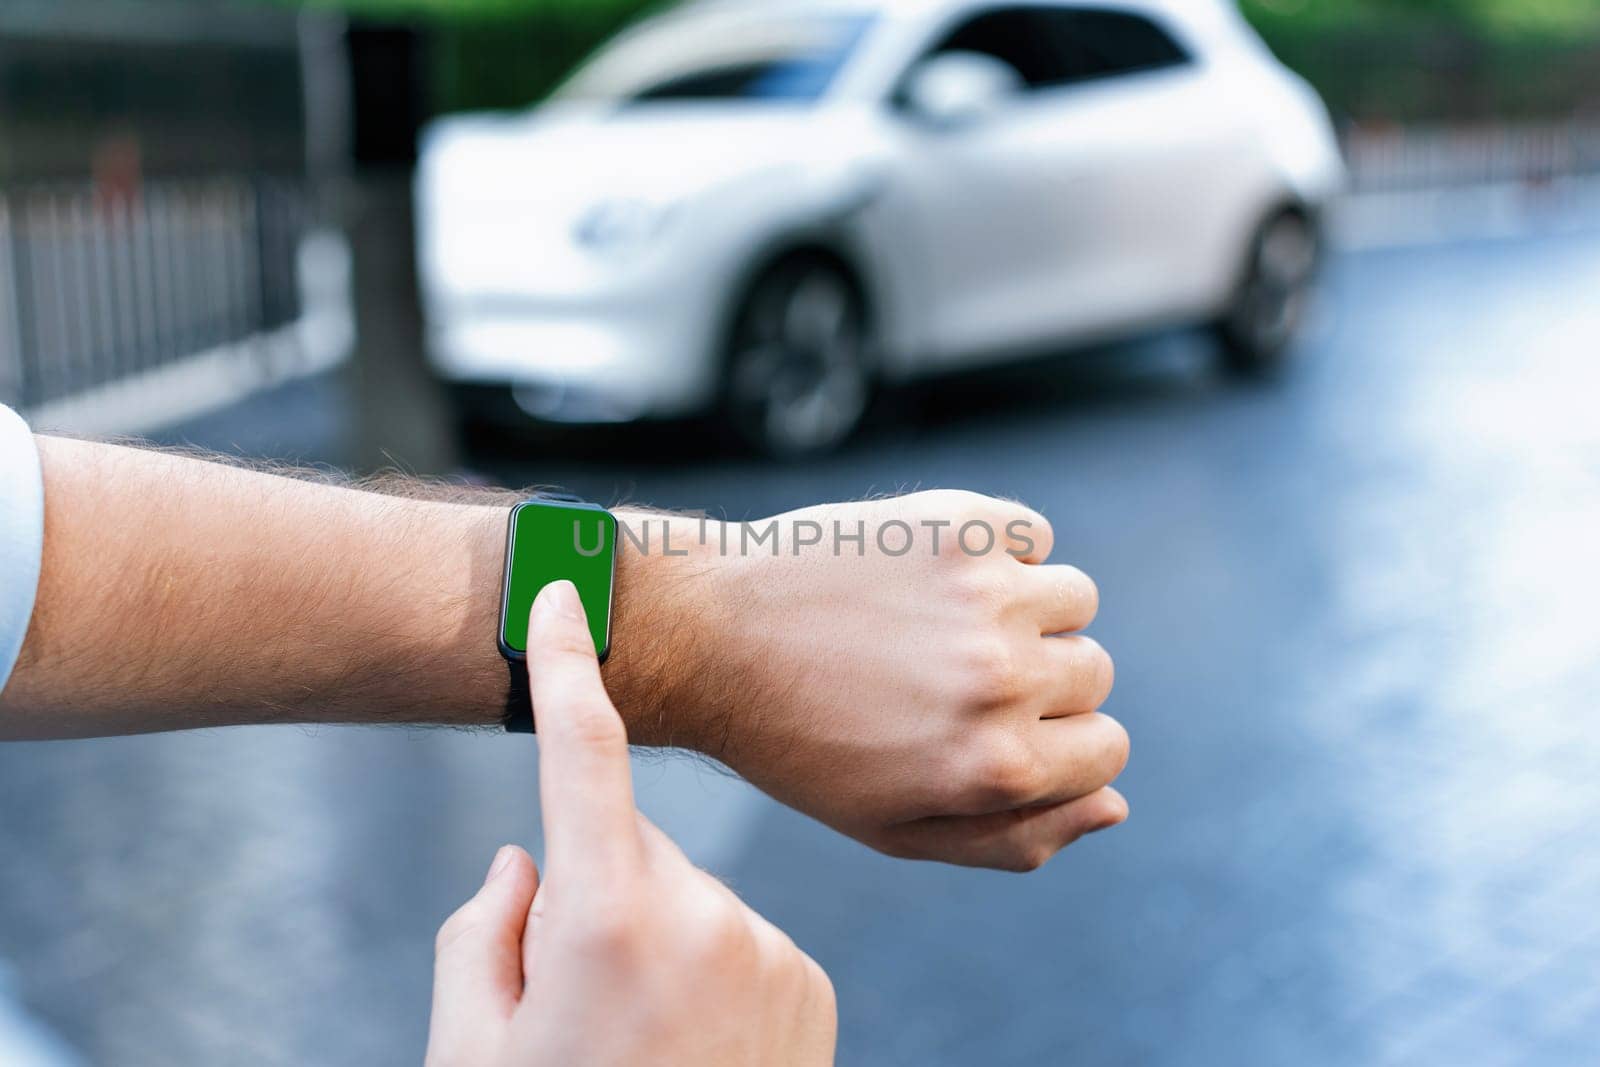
[[1353, 617]]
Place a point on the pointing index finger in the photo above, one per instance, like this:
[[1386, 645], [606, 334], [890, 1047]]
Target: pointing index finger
[[585, 781]]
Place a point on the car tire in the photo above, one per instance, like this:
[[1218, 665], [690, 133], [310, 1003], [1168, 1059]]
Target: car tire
[[1268, 311], [799, 371]]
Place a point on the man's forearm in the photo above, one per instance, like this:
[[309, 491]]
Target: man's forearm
[[176, 594]]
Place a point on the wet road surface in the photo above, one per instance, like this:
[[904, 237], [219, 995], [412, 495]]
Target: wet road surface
[[1353, 617]]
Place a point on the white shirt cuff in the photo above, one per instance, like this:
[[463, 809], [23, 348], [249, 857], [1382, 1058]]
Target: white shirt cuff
[[21, 535]]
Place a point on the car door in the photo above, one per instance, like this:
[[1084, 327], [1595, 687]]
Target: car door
[[985, 200], [1046, 220], [1145, 138]]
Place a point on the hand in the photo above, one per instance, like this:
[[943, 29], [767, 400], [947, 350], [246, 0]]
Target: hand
[[629, 954], [921, 702]]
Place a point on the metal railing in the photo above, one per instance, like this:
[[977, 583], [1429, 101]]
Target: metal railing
[[1386, 158], [96, 289]]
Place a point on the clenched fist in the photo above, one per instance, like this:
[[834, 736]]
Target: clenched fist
[[909, 671]]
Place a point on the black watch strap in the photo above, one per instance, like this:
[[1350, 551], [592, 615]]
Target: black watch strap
[[519, 703]]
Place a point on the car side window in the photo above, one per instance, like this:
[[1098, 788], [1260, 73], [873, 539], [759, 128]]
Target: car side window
[[1095, 44], [1054, 46], [1017, 36]]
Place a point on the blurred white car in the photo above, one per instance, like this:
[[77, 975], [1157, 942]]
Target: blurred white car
[[766, 208]]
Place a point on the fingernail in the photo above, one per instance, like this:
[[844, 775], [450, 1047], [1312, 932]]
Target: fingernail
[[502, 860], [557, 599]]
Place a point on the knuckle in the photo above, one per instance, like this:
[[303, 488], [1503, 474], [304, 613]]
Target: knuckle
[[910, 506], [956, 502], [1009, 512], [806, 985], [724, 937], [981, 590], [1027, 530], [820, 984], [954, 506], [778, 947], [993, 678], [1004, 774]]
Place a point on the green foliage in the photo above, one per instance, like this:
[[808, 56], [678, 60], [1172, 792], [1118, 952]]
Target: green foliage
[[513, 62], [1489, 17], [1440, 60], [495, 54]]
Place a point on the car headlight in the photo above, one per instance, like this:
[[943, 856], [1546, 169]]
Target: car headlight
[[615, 225]]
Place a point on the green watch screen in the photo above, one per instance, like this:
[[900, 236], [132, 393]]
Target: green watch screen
[[549, 542]]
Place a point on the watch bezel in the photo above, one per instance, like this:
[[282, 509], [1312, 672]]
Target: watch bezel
[[509, 653]]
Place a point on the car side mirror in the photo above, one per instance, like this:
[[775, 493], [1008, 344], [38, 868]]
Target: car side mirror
[[959, 88]]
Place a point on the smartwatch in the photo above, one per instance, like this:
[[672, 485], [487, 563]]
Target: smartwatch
[[550, 538]]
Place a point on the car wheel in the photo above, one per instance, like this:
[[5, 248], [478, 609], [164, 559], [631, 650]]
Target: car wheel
[[798, 368], [1270, 305]]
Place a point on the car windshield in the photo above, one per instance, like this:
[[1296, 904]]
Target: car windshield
[[723, 56]]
